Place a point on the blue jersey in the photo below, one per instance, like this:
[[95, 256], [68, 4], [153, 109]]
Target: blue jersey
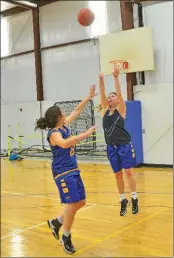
[[64, 160]]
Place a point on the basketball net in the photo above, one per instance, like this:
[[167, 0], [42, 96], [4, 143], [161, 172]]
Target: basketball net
[[121, 65]]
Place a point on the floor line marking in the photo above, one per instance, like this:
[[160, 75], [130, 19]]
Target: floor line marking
[[37, 196], [119, 232], [38, 225]]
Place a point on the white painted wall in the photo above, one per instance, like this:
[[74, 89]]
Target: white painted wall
[[160, 17], [157, 94], [59, 21], [69, 71], [17, 33], [11, 115], [69, 66], [58, 24], [157, 119], [18, 81]]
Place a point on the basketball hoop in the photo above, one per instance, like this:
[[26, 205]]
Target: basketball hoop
[[122, 65]]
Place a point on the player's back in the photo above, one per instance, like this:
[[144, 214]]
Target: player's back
[[64, 160]]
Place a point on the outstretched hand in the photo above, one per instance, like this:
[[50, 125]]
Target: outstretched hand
[[92, 91], [101, 75], [91, 129], [116, 71]]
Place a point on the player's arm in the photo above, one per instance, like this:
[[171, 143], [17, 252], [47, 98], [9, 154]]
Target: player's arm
[[57, 140], [122, 104], [80, 107], [103, 98]]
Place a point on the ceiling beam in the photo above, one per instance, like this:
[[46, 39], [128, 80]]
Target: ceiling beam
[[24, 6], [33, 2], [37, 54], [127, 19], [18, 9], [42, 3], [12, 11]]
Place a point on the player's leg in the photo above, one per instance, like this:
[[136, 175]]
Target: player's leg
[[69, 195], [55, 224], [120, 186], [76, 199], [115, 162], [127, 155], [81, 192], [132, 186], [80, 204], [68, 219]]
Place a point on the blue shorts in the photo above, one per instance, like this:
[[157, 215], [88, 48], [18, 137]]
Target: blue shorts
[[121, 157], [71, 188]]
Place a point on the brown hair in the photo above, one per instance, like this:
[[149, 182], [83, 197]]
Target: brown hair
[[50, 119], [113, 93]]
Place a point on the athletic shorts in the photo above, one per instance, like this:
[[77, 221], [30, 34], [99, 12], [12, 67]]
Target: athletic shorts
[[71, 188], [121, 157]]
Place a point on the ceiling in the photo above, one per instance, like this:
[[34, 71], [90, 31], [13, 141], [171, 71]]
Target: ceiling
[[12, 7], [5, 6]]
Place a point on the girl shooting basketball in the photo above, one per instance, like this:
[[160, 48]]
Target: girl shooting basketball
[[120, 151], [64, 166]]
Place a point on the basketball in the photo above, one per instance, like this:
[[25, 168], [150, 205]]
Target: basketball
[[85, 17]]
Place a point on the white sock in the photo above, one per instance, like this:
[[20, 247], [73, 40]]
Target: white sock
[[134, 195], [122, 197], [66, 233], [60, 219]]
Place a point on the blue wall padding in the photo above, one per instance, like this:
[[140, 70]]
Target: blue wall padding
[[133, 124]]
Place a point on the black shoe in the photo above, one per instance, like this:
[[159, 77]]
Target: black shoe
[[135, 206], [124, 204], [55, 226], [67, 244]]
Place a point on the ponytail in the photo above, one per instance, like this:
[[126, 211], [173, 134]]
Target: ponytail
[[50, 120], [41, 123]]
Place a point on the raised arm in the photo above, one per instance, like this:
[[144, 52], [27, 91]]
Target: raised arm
[[103, 98], [80, 107], [56, 138], [122, 104]]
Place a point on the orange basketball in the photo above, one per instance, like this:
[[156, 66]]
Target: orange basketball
[[85, 17]]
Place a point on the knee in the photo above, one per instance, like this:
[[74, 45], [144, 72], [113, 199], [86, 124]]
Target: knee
[[72, 207], [81, 204], [119, 175], [128, 172]]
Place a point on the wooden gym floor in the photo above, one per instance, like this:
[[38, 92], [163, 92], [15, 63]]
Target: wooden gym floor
[[30, 197]]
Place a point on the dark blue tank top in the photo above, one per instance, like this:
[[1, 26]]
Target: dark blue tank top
[[114, 131], [64, 160]]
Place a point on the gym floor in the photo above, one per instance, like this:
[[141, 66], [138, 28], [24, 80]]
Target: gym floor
[[30, 197]]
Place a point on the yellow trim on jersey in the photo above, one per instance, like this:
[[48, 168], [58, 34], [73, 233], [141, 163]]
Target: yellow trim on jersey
[[65, 173]]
